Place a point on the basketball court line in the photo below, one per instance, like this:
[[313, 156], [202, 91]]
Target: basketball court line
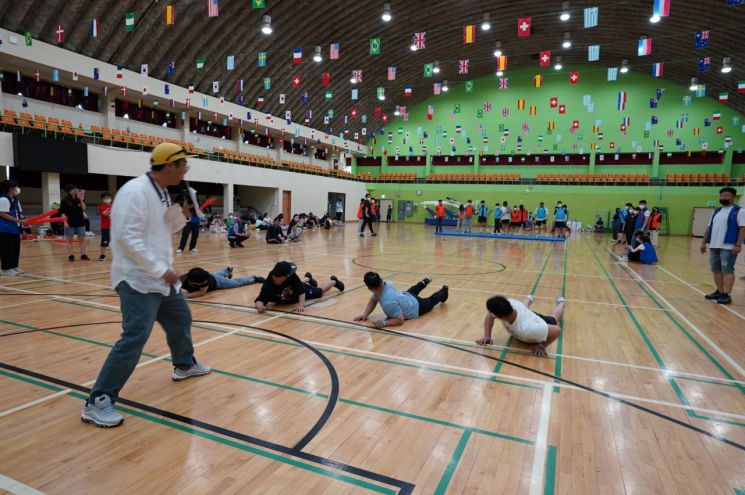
[[538, 473], [16, 487]]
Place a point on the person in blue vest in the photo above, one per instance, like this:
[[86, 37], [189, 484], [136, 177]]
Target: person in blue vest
[[561, 216], [11, 224], [482, 212], [724, 235], [644, 252], [541, 215], [237, 232], [642, 221]]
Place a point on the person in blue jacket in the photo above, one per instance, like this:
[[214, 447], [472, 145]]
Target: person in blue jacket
[[10, 228], [644, 252], [237, 232]]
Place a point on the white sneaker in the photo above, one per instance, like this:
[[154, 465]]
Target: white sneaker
[[8, 273], [101, 413], [531, 300], [17, 271], [179, 251], [560, 300], [192, 251], [195, 370]]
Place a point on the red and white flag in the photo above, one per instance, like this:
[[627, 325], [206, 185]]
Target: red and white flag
[[545, 58], [463, 66], [523, 26]]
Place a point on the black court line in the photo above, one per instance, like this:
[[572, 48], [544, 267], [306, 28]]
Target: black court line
[[586, 388], [503, 268], [405, 488]]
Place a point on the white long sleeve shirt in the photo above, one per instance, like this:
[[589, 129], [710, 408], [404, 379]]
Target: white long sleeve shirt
[[141, 245]]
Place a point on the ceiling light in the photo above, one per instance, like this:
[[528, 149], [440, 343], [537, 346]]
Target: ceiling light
[[485, 24], [353, 79], [445, 86], [726, 65], [266, 25], [436, 68], [655, 19], [498, 49], [386, 13], [500, 73], [317, 56], [397, 112], [624, 66], [381, 97], [694, 84], [564, 11], [557, 65], [567, 40], [413, 47]]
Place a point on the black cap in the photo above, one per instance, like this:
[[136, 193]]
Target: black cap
[[284, 269], [68, 188]]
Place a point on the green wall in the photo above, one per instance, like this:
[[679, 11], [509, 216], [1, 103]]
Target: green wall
[[477, 124], [583, 201]]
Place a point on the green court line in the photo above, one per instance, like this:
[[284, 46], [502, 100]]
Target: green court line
[[739, 491], [317, 394], [549, 483], [442, 486], [506, 349], [208, 436], [560, 340]]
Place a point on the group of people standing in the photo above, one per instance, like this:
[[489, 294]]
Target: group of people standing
[[630, 219]]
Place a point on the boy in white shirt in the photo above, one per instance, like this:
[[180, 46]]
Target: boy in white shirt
[[525, 325]]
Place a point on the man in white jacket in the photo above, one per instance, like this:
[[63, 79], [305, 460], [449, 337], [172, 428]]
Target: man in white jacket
[[142, 222]]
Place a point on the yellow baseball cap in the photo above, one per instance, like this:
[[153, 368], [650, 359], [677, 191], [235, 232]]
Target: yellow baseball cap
[[168, 152]]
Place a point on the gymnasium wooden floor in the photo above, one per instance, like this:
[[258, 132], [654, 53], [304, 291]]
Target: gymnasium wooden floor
[[653, 402]]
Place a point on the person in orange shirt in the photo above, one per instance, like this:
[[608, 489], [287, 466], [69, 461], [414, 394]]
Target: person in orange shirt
[[654, 225], [515, 220], [440, 214], [469, 217]]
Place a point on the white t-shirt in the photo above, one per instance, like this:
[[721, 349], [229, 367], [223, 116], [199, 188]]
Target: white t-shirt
[[4, 205], [719, 227], [528, 327], [506, 212]]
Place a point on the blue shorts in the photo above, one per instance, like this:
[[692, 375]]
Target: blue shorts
[[71, 231], [722, 260]]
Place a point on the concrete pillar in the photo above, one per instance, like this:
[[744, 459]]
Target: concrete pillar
[[185, 128], [656, 164], [279, 149], [228, 199], [311, 154], [111, 184], [107, 108], [50, 189]]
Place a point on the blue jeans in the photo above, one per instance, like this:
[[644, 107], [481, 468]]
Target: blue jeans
[[139, 313], [223, 282], [722, 260]]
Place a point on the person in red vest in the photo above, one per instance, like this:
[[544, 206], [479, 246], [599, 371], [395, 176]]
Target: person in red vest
[[469, 216], [515, 220], [440, 214]]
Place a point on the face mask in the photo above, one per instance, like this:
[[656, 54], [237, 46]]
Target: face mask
[[17, 191], [559, 205], [724, 202], [642, 206], [107, 201]]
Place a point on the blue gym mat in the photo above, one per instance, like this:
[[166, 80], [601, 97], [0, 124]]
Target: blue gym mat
[[503, 236]]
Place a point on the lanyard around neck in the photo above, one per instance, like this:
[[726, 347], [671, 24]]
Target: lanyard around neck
[[162, 194]]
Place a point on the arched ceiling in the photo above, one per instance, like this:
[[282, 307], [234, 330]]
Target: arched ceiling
[[307, 23]]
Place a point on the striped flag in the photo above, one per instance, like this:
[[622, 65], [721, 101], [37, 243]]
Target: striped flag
[[469, 33], [717, 116], [392, 73], [741, 86], [191, 88], [661, 8], [297, 55], [430, 112], [200, 64], [612, 73], [538, 80], [657, 69], [520, 104], [213, 8], [621, 103], [551, 125], [591, 17], [169, 14], [437, 88], [533, 110], [407, 90], [129, 22], [502, 62], [239, 85], [334, 51], [94, 28], [645, 47], [593, 53], [230, 62], [119, 72], [262, 59]]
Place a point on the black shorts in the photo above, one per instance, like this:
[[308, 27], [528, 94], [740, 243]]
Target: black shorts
[[105, 237], [548, 319], [505, 221], [313, 292], [482, 219], [540, 222], [560, 224], [515, 224]]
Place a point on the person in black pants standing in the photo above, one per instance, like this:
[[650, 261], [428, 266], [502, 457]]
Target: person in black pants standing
[[192, 224], [73, 207], [367, 216], [10, 228]]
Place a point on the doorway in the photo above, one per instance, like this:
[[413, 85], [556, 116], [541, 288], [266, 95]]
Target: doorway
[[384, 204], [287, 205], [337, 204]]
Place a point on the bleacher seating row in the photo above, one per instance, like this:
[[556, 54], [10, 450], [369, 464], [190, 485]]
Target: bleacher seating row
[[592, 178], [698, 178], [304, 167], [241, 157], [396, 177], [478, 178]]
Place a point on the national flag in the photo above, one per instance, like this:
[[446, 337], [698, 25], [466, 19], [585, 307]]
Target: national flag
[[325, 79], [553, 102], [678, 124], [504, 83], [191, 88], [355, 94], [94, 28], [621, 101], [282, 99], [213, 8], [267, 83], [653, 120], [657, 69], [612, 73], [200, 64], [169, 14], [591, 17], [329, 95], [258, 4], [119, 72], [487, 106], [74, 75], [420, 40], [215, 86], [652, 103], [562, 109], [129, 22], [520, 104], [533, 110], [392, 73], [437, 88], [502, 62], [575, 124], [593, 53], [144, 91], [230, 62], [717, 116], [574, 77], [686, 101], [544, 58], [704, 64], [701, 90], [96, 74], [144, 69], [644, 47], [701, 39], [357, 75], [55, 75], [171, 69], [661, 8], [469, 86], [463, 66], [260, 101], [166, 89], [469, 33], [297, 55], [696, 131], [407, 90], [374, 46], [60, 31], [380, 92], [262, 59], [429, 69], [707, 122], [430, 112], [333, 51], [296, 81], [626, 122], [523, 26], [538, 80], [741, 86], [551, 125]]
